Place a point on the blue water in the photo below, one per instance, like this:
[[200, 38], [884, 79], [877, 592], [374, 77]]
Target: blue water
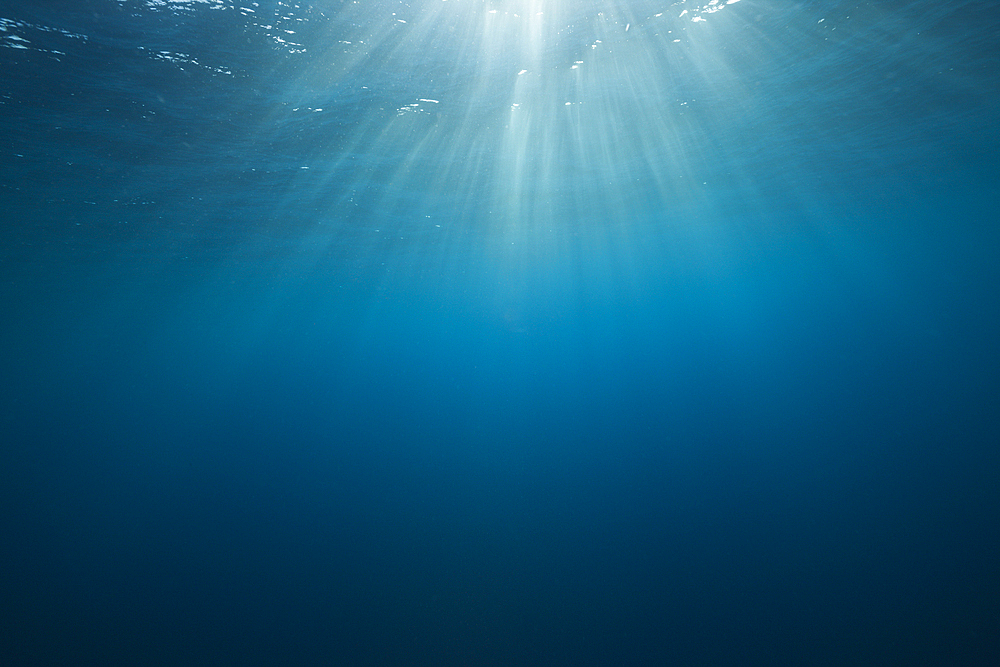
[[499, 333]]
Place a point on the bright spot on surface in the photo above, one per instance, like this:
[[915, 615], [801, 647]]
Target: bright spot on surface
[[520, 118]]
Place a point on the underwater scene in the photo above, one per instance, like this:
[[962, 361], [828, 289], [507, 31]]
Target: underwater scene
[[500, 332]]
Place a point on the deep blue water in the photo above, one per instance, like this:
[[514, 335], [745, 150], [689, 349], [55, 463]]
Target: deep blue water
[[499, 333]]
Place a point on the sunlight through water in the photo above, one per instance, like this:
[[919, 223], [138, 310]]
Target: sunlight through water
[[520, 116]]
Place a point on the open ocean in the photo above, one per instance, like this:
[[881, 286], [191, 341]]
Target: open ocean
[[471, 333]]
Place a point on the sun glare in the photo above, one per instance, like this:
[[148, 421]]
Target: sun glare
[[518, 115]]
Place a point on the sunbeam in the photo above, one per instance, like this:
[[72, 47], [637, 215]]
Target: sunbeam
[[534, 123]]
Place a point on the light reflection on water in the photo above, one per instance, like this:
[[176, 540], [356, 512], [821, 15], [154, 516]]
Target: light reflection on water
[[532, 129]]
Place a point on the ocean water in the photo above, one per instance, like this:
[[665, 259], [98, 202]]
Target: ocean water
[[524, 332]]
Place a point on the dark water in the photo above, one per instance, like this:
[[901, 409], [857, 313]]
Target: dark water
[[575, 333]]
